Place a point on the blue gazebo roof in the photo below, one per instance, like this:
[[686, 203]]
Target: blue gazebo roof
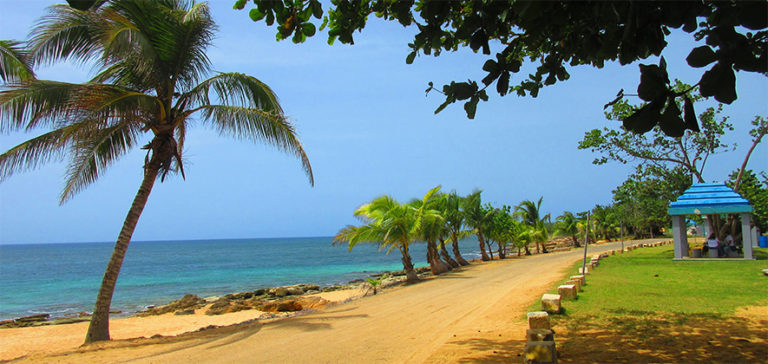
[[709, 198]]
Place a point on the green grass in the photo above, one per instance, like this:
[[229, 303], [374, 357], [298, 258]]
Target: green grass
[[647, 280]]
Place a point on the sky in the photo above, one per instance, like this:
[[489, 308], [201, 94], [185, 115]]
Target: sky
[[368, 128]]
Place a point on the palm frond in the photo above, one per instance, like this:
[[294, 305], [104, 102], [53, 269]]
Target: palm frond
[[35, 103], [92, 155], [234, 89], [39, 103], [258, 125], [33, 153], [66, 33], [14, 62]]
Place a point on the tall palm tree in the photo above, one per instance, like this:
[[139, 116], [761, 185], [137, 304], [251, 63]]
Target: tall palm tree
[[150, 60], [568, 224], [454, 220], [530, 213], [476, 217], [431, 226], [389, 224]]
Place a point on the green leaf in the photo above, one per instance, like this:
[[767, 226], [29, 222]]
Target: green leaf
[[502, 85], [240, 4], [308, 29], [719, 82], [411, 56], [471, 107], [653, 82], [463, 90], [317, 9], [701, 56], [690, 115], [643, 120], [670, 122], [257, 15]]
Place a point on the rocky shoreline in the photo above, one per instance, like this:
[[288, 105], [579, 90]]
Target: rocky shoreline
[[274, 301]]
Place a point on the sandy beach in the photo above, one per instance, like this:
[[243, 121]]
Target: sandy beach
[[472, 315]]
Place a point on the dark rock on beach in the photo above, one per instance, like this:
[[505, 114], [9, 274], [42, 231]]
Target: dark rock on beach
[[187, 302], [33, 318]]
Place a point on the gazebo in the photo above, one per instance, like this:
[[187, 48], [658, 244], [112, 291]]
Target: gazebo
[[707, 199]]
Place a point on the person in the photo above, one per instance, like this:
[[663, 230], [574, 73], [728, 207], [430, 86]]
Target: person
[[729, 244], [713, 243]]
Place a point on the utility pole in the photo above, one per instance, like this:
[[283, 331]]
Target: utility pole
[[622, 237], [586, 241]]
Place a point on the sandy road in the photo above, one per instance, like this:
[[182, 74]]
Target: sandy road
[[474, 315]]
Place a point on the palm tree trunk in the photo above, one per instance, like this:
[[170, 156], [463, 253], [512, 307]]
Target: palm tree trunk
[[456, 252], [446, 256], [501, 250], [98, 330], [482, 245], [410, 273], [488, 244], [432, 258]]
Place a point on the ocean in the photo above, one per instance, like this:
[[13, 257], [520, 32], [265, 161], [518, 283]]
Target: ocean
[[63, 279]]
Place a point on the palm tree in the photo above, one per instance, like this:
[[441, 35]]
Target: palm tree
[[522, 235], [431, 226], [501, 229], [454, 220], [568, 224], [389, 224], [529, 212], [150, 60], [476, 217]]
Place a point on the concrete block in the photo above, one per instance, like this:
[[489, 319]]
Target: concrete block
[[550, 303], [539, 335], [584, 270], [581, 278], [613, 252], [540, 352], [538, 320], [604, 255], [567, 291], [575, 282]]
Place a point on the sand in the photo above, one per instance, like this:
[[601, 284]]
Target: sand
[[473, 315]]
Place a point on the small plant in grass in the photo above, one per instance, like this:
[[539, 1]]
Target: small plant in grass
[[374, 283]]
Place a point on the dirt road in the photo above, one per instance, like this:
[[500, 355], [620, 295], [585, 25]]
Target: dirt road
[[474, 315]]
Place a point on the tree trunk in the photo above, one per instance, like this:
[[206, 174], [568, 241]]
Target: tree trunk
[[488, 248], [410, 274], [98, 330], [456, 252], [527, 252], [482, 245], [436, 265], [446, 256], [501, 250], [575, 241]]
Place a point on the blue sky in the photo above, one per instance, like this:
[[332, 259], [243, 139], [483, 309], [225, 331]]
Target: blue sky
[[368, 129]]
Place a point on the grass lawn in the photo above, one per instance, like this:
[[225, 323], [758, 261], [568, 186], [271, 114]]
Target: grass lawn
[[642, 306]]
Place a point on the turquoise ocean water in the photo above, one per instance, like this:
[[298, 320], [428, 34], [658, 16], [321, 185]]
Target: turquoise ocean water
[[63, 279]]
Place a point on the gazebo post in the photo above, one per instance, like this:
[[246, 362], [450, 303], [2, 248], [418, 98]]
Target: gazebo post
[[679, 236], [746, 236]]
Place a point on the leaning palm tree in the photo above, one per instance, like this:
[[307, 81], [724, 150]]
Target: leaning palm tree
[[530, 213], [151, 63], [454, 221], [476, 217], [389, 224], [430, 228], [568, 224]]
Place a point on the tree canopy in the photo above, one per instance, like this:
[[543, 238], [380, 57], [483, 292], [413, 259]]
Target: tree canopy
[[550, 37]]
